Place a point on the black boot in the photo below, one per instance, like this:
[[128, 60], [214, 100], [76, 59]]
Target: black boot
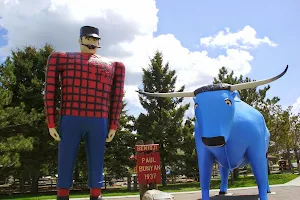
[[63, 198], [97, 198]]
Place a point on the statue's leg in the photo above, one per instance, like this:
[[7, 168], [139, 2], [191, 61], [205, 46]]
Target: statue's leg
[[205, 162], [224, 173], [70, 134], [257, 159], [95, 147]]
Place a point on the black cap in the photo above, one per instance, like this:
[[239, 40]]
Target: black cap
[[89, 31]]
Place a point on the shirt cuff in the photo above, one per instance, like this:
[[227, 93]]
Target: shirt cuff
[[113, 126], [51, 125]]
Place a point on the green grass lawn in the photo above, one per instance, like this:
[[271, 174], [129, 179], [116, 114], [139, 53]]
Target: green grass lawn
[[179, 187]]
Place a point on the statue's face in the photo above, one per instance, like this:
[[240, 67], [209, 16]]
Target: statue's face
[[89, 41]]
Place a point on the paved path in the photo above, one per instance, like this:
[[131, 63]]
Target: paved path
[[288, 191], [283, 192], [295, 182]]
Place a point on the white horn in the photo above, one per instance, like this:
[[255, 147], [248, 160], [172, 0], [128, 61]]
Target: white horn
[[257, 83], [171, 94]]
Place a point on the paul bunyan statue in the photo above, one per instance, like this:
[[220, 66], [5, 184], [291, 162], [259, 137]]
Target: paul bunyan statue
[[91, 102]]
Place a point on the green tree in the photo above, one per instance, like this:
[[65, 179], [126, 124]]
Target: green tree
[[188, 146], [274, 125], [164, 120], [285, 133], [288, 133], [295, 133], [12, 139], [22, 76]]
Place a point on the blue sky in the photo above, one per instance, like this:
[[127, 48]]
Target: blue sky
[[190, 20], [2, 33]]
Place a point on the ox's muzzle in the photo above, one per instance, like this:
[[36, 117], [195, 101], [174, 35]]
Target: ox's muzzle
[[218, 141]]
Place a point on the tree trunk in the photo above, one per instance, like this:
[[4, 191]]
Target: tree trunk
[[163, 165], [35, 183], [268, 165], [163, 173], [173, 179], [296, 153], [297, 158], [129, 183], [288, 154], [236, 173], [21, 182]]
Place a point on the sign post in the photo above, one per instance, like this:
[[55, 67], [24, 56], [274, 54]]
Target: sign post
[[148, 166]]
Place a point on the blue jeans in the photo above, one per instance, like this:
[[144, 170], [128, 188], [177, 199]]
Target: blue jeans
[[72, 128]]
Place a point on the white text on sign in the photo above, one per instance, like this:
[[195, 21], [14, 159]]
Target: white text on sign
[[150, 176], [140, 148], [148, 160], [149, 168]]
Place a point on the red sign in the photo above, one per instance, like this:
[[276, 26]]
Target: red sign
[[148, 168], [148, 147]]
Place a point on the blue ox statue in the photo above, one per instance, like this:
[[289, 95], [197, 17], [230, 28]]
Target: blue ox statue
[[228, 132]]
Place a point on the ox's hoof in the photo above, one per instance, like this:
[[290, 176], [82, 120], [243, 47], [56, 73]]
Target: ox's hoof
[[269, 192], [221, 193]]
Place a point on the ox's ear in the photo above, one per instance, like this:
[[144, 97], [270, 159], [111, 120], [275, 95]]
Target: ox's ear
[[236, 95]]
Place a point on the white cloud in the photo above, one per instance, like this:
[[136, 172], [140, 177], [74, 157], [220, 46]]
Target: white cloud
[[296, 107], [245, 39], [126, 28], [58, 21]]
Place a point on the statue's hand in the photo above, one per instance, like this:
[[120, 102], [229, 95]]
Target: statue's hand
[[54, 134], [111, 135]]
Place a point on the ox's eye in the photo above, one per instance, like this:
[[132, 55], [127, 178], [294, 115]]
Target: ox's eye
[[195, 106], [228, 102]]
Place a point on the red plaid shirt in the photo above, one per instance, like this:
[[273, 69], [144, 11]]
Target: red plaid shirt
[[91, 87]]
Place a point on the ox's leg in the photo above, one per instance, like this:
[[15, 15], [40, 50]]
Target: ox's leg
[[205, 162], [257, 159], [224, 173]]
